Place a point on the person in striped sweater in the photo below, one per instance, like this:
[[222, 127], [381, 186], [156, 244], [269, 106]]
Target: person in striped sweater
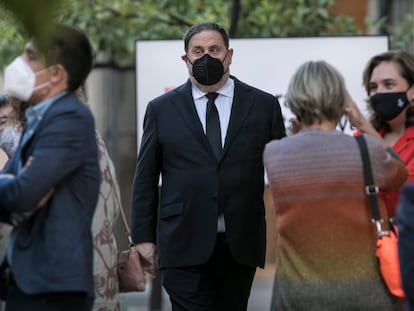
[[325, 256]]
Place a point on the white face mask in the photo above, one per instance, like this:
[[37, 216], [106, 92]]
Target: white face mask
[[20, 80], [9, 139]]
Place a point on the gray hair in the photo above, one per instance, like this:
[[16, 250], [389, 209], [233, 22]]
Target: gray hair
[[316, 93]]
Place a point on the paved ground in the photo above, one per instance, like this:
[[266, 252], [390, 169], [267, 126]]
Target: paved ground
[[259, 298]]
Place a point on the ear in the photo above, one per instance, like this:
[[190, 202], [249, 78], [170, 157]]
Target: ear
[[410, 93], [230, 54], [184, 58], [58, 74]]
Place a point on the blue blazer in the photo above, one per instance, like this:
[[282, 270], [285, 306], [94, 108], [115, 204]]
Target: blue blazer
[[52, 250], [194, 182], [405, 223]]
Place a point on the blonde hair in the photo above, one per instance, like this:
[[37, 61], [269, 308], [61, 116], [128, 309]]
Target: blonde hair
[[316, 93]]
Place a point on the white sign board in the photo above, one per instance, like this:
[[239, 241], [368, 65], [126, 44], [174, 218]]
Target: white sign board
[[267, 64]]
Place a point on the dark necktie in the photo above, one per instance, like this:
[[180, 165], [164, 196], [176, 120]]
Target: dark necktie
[[213, 131]]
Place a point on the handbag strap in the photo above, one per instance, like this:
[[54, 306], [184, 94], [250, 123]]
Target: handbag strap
[[371, 189], [125, 222], [124, 219], [115, 189]]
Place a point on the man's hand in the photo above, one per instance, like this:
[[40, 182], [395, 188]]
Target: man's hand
[[148, 253]]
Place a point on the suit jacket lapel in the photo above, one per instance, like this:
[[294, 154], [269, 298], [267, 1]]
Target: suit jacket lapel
[[184, 103], [242, 102]]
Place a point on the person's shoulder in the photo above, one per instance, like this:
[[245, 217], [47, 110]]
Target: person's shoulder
[[276, 144], [250, 88], [372, 142], [68, 100], [375, 150], [67, 105], [170, 94]]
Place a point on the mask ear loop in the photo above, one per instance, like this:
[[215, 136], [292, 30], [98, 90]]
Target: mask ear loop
[[410, 85], [43, 70], [40, 86], [44, 84], [227, 53], [188, 59]]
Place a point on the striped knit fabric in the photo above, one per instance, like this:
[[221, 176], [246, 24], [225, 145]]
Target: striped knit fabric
[[326, 244]]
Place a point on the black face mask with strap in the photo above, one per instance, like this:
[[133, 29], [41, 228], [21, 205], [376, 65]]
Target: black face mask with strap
[[389, 105], [208, 70]]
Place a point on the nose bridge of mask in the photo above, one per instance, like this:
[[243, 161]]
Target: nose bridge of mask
[[205, 58], [24, 68], [202, 58]]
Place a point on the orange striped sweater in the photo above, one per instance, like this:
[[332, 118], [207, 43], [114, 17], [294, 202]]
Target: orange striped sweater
[[326, 242]]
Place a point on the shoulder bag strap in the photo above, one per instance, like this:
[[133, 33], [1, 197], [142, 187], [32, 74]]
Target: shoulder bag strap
[[125, 222], [370, 189]]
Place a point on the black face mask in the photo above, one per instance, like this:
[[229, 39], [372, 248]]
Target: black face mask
[[208, 70], [389, 105]]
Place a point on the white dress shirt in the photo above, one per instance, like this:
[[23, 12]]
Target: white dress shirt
[[223, 103]]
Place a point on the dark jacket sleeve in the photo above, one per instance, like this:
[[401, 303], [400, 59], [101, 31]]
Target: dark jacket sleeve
[[405, 222]]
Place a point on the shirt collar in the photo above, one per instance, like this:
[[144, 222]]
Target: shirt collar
[[226, 90], [40, 109]]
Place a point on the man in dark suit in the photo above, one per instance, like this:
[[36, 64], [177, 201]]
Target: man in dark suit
[[50, 187], [210, 215], [405, 223]]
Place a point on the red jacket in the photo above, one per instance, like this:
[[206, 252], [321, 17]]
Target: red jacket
[[404, 146]]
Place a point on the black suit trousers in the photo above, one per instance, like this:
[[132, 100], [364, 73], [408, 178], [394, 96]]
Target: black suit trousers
[[221, 284]]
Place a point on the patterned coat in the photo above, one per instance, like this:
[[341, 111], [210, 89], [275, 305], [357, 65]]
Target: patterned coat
[[103, 225]]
